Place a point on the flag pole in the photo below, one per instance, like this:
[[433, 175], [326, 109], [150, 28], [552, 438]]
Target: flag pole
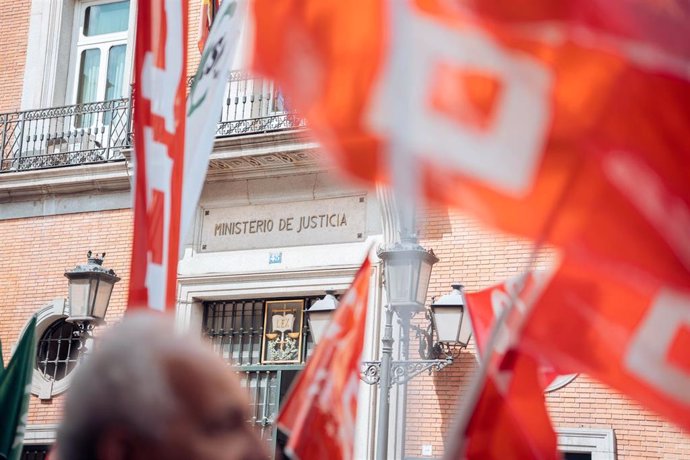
[[385, 385]]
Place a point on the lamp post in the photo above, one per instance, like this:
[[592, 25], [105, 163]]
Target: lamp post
[[449, 320], [407, 270], [320, 314], [90, 286]]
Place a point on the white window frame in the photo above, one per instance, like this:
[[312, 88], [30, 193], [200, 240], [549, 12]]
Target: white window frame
[[41, 386], [599, 442], [40, 434], [103, 42]]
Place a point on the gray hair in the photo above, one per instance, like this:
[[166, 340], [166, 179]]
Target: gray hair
[[123, 383]]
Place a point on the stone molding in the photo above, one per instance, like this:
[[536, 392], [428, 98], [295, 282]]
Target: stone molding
[[601, 443], [40, 434], [264, 155], [260, 155], [40, 386], [41, 183]]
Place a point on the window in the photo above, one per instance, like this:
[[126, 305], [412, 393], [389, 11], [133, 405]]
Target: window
[[577, 456], [101, 56], [586, 443], [243, 332], [57, 350], [35, 452]]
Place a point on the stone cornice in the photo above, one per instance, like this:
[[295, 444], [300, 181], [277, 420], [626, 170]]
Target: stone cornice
[[31, 185], [264, 155], [239, 157]]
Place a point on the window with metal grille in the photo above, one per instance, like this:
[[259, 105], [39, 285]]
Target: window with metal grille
[[35, 452], [236, 330], [57, 352]]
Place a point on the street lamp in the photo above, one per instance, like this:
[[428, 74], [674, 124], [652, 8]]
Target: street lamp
[[90, 287], [449, 320], [407, 270], [320, 314]]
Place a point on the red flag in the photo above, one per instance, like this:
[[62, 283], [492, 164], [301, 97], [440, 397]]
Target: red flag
[[159, 132], [486, 306], [521, 107], [621, 326], [320, 411], [206, 16], [558, 120], [509, 418], [561, 121]]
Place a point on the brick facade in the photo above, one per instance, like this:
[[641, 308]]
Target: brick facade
[[36, 252], [479, 258], [639, 433], [14, 23]]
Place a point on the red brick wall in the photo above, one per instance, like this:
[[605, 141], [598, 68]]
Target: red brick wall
[[35, 254], [478, 259], [639, 434], [14, 23], [193, 54]]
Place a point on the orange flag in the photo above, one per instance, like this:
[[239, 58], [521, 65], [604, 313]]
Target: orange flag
[[509, 418], [623, 327], [206, 16], [505, 415], [563, 121], [319, 413], [486, 306], [499, 108]]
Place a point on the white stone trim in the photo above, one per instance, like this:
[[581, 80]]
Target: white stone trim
[[601, 443], [45, 317], [49, 34], [40, 434], [559, 382], [40, 183], [215, 277]]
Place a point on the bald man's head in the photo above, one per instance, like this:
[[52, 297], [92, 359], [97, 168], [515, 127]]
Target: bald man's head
[[147, 392]]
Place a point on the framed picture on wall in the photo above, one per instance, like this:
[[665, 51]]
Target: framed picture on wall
[[282, 339]]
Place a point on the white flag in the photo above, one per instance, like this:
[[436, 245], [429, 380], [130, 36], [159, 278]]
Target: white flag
[[205, 101]]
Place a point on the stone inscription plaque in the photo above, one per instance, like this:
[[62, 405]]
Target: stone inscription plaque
[[301, 223]]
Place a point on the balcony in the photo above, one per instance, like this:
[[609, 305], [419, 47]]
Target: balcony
[[100, 131]]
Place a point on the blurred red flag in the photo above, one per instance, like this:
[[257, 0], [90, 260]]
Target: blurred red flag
[[561, 121], [509, 418], [206, 17], [501, 106], [319, 413], [486, 306], [623, 327], [159, 132]]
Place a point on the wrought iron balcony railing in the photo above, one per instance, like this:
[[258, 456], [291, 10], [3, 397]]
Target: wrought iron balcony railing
[[62, 136], [99, 131], [255, 105]]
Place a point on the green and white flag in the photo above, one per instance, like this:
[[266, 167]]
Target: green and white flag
[[15, 387], [205, 103]]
